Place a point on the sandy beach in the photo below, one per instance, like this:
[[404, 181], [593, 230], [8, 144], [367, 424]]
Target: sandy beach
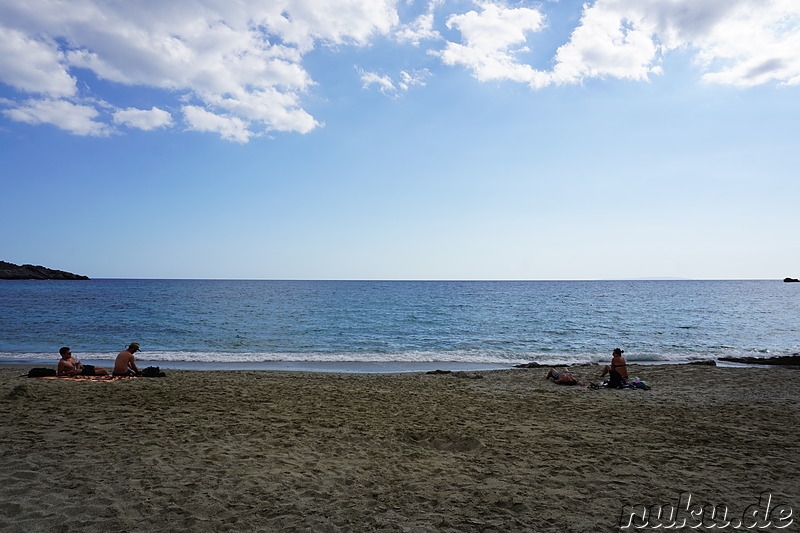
[[481, 451]]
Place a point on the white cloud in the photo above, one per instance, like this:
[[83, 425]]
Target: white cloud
[[143, 119], [384, 83], [33, 65], [393, 88], [280, 111], [421, 29], [242, 63], [608, 42], [415, 77], [244, 56], [228, 127], [492, 38], [77, 119], [759, 42], [737, 42]]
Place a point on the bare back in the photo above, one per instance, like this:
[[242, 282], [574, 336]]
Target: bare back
[[124, 361], [619, 364]]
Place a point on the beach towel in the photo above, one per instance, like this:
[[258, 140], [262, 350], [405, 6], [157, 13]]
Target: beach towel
[[86, 378]]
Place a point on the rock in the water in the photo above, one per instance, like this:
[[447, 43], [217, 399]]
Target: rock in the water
[[789, 360], [791, 280]]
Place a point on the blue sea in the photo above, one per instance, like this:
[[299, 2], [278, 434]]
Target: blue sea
[[385, 325]]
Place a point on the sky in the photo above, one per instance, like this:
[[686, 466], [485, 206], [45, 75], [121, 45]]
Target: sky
[[401, 139]]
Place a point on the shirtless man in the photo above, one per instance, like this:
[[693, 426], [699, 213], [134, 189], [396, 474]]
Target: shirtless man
[[125, 364], [617, 370], [69, 366], [561, 378]]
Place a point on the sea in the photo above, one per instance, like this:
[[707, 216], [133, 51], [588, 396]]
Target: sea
[[384, 326]]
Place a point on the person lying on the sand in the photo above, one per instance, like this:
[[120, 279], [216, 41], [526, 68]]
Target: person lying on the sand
[[125, 364], [563, 377], [617, 371], [69, 366]]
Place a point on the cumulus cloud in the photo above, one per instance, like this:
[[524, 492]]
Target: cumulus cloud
[[33, 65], [758, 43], [143, 119], [492, 39], [736, 42], [75, 118], [228, 127], [237, 60], [238, 67], [608, 42]]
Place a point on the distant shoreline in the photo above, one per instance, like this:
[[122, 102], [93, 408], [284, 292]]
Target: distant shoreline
[[10, 271]]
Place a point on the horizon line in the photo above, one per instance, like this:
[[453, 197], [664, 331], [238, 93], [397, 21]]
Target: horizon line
[[436, 279]]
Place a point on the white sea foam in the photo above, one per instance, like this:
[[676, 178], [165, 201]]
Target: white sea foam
[[468, 357]]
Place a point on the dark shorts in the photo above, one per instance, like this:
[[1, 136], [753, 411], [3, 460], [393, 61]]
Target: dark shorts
[[125, 374], [616, 381], [88, 370]]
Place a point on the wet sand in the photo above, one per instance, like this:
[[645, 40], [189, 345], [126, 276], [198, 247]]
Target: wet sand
[[480, 451]]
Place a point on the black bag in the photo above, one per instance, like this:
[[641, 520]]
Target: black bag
[[41, 372], [152, 372]]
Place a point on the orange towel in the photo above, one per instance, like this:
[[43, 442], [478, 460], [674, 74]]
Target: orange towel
[[89, 378]]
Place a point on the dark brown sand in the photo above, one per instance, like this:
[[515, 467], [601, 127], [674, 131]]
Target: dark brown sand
[[271, 451]]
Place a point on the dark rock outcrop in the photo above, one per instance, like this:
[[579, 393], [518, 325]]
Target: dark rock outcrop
[[12, 271], [791, 280], [793, 360], [528, 365]]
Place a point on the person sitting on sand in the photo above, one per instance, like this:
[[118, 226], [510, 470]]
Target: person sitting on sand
[[617, 371], [69, 366], [125, 364], [563, 377]]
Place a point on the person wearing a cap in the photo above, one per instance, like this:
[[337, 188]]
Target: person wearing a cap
[[617, 370], [125, 365]]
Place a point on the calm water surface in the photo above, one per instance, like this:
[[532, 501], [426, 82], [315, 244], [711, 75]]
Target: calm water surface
[[208, 321]]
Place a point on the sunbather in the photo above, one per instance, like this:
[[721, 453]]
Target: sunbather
[[617, 371], [563, 377], [69, 366], [125, 364]]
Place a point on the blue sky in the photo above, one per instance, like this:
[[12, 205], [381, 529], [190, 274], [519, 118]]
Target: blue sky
[[402, 140]]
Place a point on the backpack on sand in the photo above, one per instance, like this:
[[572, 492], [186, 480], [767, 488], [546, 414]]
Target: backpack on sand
[[41, 373]]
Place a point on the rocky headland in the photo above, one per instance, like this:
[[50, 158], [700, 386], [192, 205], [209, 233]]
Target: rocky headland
[[12, 271]]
